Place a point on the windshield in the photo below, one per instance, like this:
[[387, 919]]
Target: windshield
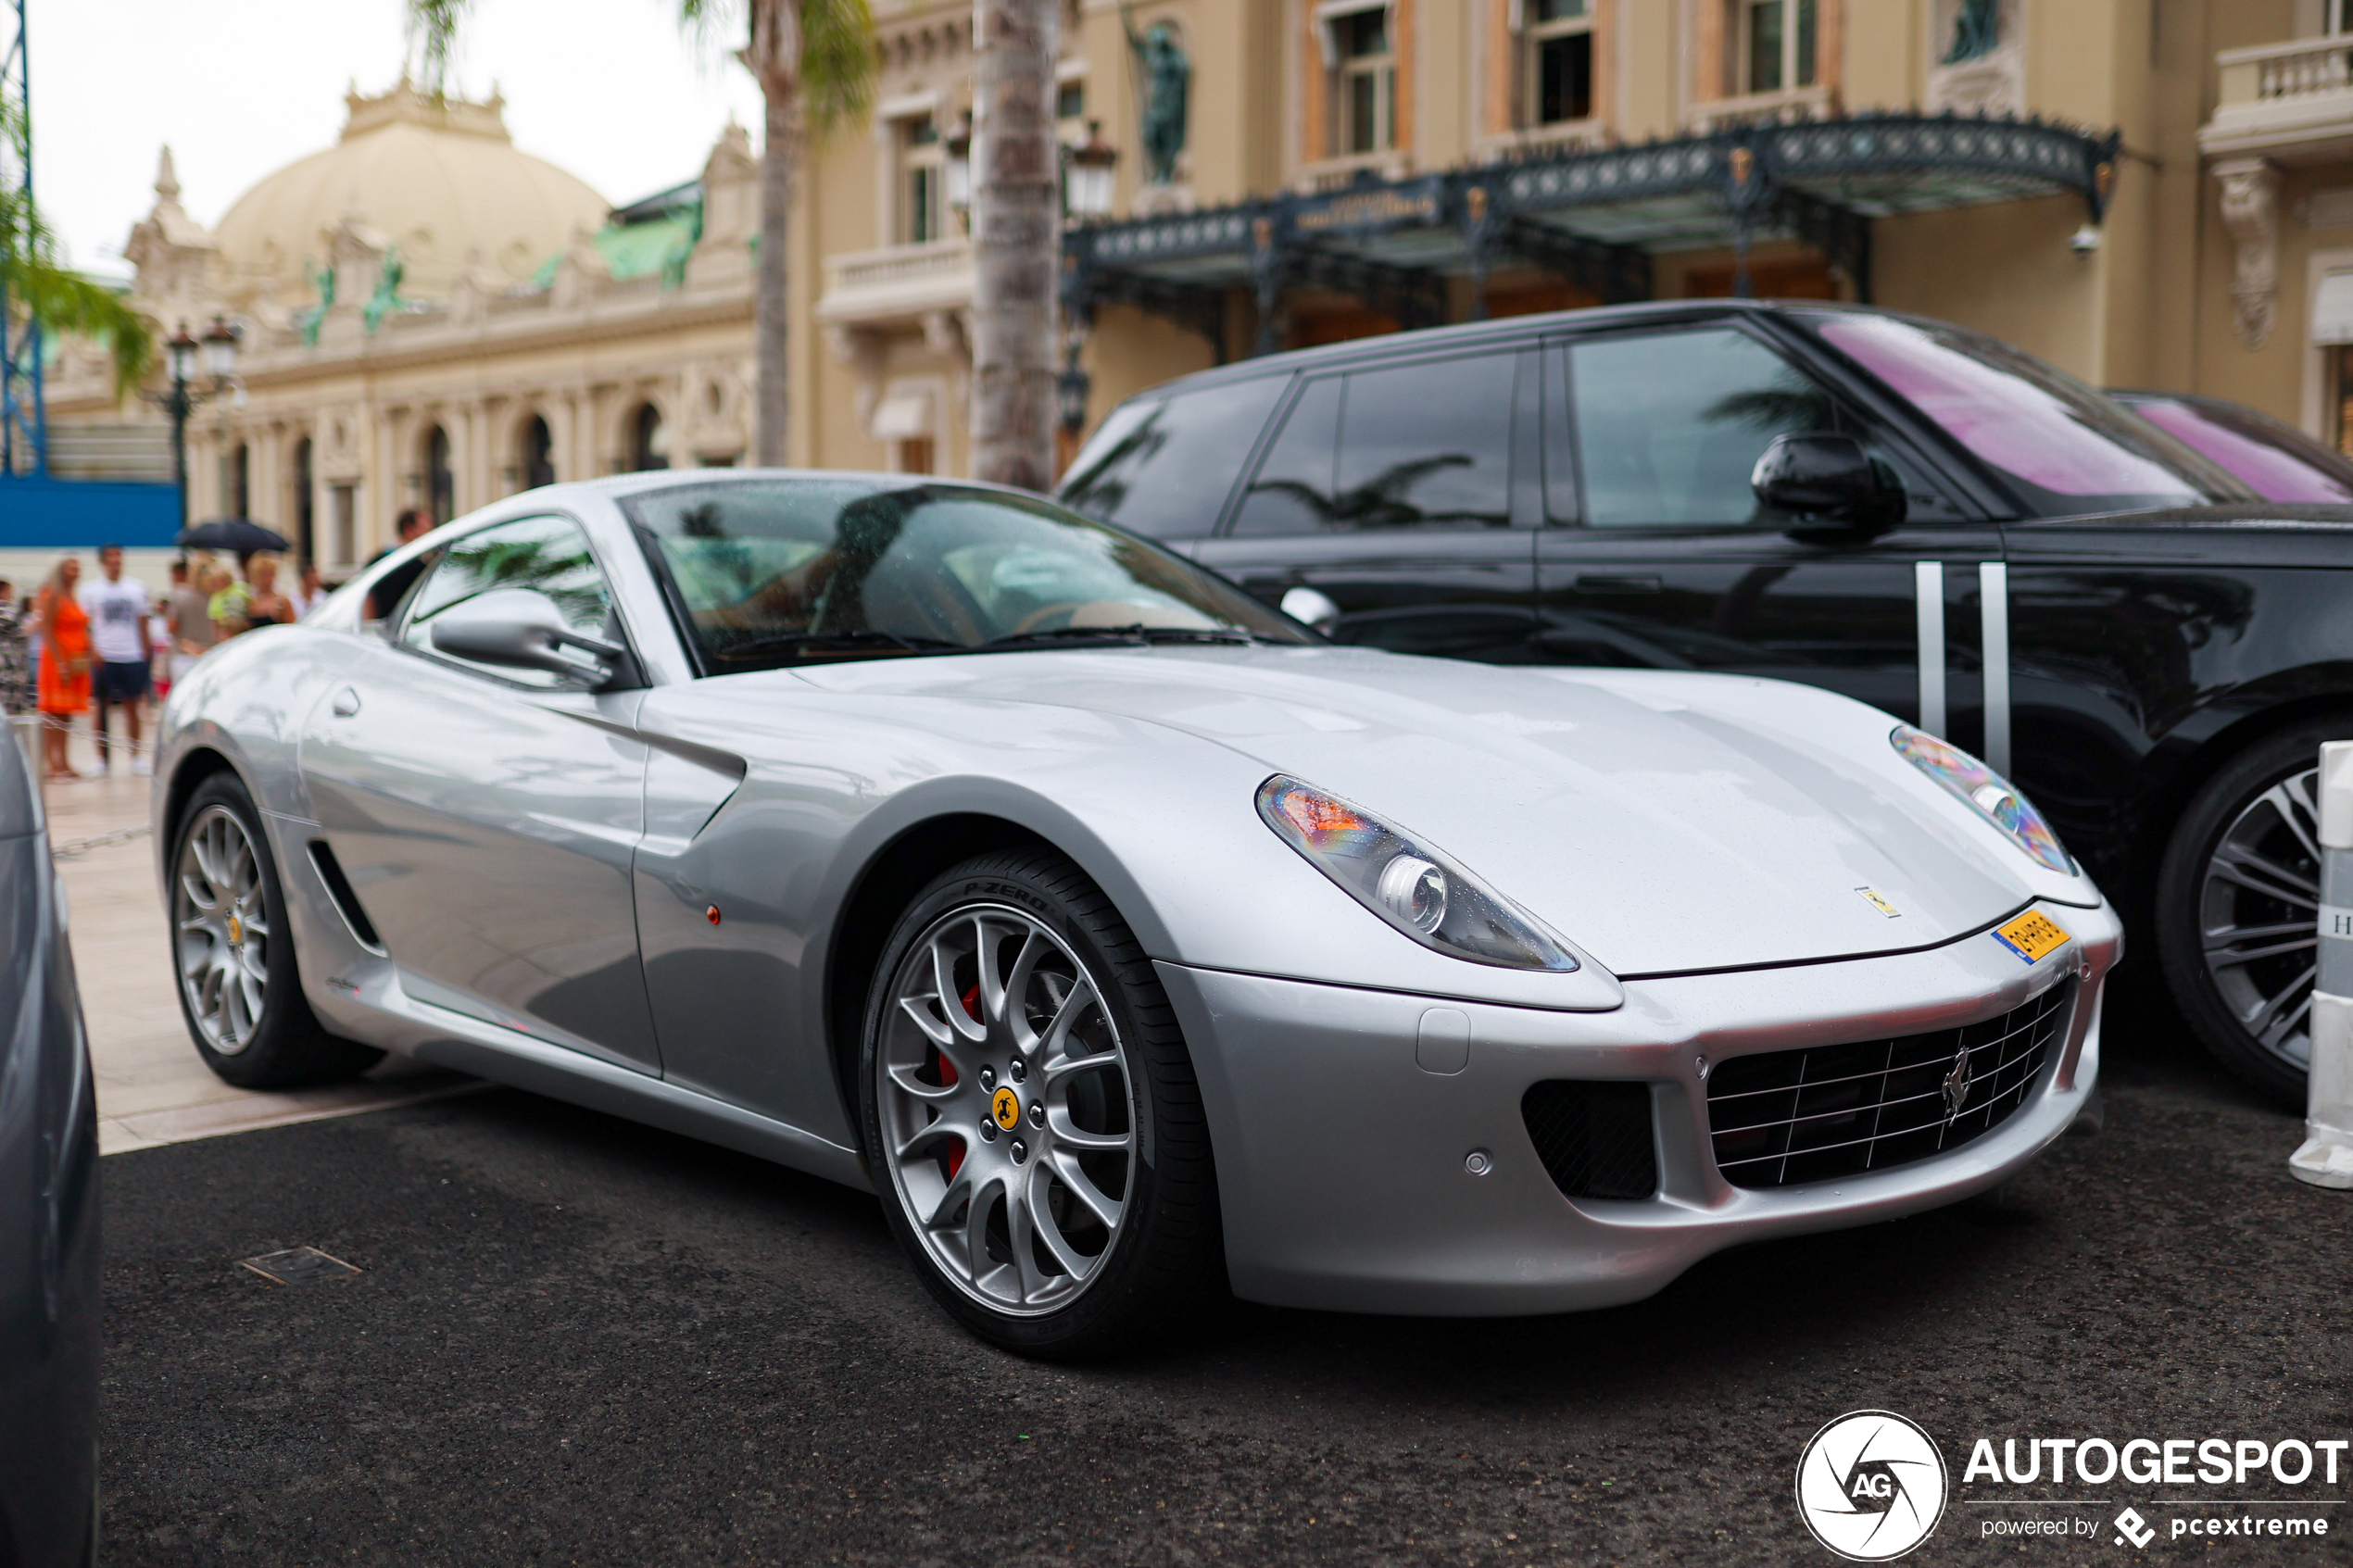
[[2281, 464], [2061, 447], [788, 571]]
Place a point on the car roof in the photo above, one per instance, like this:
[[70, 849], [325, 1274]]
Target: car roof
[[1470, 334]]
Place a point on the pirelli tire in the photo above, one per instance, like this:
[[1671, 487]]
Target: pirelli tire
[[1031, 1116]]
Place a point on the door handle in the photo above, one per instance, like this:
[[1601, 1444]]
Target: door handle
[[346, 703], [1604, 583]]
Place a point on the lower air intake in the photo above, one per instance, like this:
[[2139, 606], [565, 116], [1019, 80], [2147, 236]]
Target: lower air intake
[[1784, 1117], [1594, 1138]]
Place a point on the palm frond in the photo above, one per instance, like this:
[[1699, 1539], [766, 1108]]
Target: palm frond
[[837, 64], [37, 283], [432, 32]]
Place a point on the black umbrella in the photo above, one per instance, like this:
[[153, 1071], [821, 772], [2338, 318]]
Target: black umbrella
[[237, 535]]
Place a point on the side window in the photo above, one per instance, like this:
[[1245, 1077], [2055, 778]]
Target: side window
[[1428, 443], [1164, 468], [1294, 490], [1668, 424], [549, 554]]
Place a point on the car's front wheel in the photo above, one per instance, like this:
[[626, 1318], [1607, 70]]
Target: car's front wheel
[[2238, 904], [1031, 1115], [233, 949]]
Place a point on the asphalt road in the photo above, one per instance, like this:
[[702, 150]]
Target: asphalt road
[[575, 1341]]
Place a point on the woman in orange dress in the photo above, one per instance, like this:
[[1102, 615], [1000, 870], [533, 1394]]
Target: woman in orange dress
[[63, 627]]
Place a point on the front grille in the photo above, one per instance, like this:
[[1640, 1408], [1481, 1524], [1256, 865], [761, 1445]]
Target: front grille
[[1784, 1117], [1594, 1138]]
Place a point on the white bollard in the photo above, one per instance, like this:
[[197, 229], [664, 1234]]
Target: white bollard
[[2326, 1158]]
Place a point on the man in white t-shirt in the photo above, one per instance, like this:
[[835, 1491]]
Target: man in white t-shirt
[[118, 609]]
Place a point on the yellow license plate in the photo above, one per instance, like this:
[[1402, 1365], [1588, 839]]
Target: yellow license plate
[[2030, 935]]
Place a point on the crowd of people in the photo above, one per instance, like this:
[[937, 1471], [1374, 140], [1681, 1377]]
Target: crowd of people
[[73, 646]]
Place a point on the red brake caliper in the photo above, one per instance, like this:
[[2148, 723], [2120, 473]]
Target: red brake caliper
[[948, 1074]]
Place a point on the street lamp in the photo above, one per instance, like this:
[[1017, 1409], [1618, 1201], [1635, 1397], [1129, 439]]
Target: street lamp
[[218, 350], [1086, 180]]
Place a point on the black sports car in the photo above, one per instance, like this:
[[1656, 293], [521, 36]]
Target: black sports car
[[1897, 509], [48, 1208]]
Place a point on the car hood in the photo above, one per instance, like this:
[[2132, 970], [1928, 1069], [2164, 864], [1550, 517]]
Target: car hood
[[1658, 832]]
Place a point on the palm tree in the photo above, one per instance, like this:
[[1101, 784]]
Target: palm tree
[[1017, 218], [814, 61], [35, 283]]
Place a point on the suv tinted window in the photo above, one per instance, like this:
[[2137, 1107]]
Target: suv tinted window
[[1166, 468], [549, 554], [1294, 491], [1428, 443], [1669, 424]]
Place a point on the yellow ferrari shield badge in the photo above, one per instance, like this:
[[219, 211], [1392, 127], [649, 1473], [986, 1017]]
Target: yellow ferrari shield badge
[[2030, 935], [1005, 1106]]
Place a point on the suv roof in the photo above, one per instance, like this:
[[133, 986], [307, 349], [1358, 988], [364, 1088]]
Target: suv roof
[[1389, 343]]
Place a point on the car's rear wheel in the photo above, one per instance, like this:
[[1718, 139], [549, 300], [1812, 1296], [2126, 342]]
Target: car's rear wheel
[[2237, 905], [233, 952], [1031, 1115]]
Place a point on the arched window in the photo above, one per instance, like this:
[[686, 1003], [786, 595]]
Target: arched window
[[238, 502], [441, 485], [538, 454], [649, 443]]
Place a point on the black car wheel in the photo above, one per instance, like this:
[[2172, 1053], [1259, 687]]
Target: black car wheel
[[2237, 903], [1031, 1116], [233, 952]]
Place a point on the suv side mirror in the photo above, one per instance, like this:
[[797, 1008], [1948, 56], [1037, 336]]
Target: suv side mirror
[[522, 628], [1830, 482]]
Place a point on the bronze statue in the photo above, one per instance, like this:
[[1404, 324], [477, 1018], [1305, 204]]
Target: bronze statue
[[1167, 82], [1976, 31]]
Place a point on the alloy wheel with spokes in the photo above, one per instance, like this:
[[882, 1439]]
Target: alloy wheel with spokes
[[2258, 909], [1029, 1111], [232, 949], [1006, 1101], [222, 926]]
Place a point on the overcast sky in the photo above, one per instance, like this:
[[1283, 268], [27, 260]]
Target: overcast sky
[[611, 89]]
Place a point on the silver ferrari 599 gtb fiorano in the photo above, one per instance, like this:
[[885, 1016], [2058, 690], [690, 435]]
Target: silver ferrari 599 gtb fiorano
[[1128, 940]]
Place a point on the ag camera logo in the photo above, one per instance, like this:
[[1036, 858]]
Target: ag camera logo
[[1871, 1486]]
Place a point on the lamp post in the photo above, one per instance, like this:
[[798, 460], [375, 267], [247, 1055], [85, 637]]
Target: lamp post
[[958, 168], [1088, 182], [217, 350]]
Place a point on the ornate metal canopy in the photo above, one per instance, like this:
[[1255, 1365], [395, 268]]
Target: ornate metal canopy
[[1595, 218]]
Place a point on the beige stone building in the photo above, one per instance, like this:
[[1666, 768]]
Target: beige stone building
[[2162, 196]]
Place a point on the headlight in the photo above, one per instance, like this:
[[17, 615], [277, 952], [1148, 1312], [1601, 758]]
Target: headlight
[[1411, 886], [1987, 793]]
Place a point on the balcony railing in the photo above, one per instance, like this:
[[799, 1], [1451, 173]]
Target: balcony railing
[[897, 264], [2276, 72], [2283, 99]]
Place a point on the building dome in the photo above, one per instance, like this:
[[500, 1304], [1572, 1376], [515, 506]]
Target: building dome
[[443, 182]]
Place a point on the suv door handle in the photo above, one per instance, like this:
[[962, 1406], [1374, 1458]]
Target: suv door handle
[[1604, 583], [346, 703]]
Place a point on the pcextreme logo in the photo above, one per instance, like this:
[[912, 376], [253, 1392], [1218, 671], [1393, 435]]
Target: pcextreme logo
[[1871, 1486]]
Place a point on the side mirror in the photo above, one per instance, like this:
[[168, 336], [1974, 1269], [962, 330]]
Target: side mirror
[[1312, 606], [521, 627], [1829, 482]]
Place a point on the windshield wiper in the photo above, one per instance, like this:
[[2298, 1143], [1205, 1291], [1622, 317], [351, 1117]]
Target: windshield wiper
[[820, 642], [1122, 637]]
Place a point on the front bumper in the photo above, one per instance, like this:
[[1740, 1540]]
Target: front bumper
[[1341, 1162]]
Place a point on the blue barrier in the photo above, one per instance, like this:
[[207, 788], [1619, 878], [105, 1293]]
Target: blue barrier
[[40, 514]]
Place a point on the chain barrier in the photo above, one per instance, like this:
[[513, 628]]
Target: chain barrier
[[73, 846]]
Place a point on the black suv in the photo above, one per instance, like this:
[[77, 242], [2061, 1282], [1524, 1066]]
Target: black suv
[[1896, 508]]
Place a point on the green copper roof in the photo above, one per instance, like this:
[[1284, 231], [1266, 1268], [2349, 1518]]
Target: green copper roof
[[631, 250]]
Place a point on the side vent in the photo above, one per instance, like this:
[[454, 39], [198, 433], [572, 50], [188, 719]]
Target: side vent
[[347, 902], [1594, 1138]]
